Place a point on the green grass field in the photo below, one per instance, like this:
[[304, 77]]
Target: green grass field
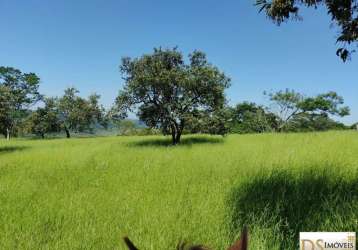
[[88, 193]]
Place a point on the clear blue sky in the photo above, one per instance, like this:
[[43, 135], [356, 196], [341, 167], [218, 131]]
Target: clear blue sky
[[80, 43]]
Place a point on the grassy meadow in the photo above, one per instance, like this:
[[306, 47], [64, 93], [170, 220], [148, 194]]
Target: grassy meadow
[[87, 193]]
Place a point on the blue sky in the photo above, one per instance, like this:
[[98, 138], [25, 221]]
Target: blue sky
[[80, 43]]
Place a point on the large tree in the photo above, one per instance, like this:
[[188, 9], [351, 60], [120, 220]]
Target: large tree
[[79, 114], [167, 92], [18, 91], [290, 105], [344, 13], [44, 119]]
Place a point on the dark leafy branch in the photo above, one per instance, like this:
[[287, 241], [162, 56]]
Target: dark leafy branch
[[344, 14]]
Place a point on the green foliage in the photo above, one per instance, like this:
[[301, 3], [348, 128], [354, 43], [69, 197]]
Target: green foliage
[[18, 91], [307, 123], [344, 14], [289, 111], [45, 119], [290, 105], [251, 118], [328, 103], [215, 123], [6, 111], [78, 114], [167, 92]]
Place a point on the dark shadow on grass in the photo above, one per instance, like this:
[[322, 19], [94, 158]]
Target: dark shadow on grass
[[186, 141], [283, 204], [10, 149]]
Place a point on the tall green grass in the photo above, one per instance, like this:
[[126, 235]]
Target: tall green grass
[[88, 193]]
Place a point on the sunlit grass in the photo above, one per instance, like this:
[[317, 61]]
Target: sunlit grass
[[88, 193]]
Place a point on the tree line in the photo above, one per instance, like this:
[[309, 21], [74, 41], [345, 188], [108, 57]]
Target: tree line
[[19, 94], [168, 93]]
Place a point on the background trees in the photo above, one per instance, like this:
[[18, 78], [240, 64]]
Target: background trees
[[167, 92], [292, 107], [306, 123], [127, 127], [215, 123], [248, 117], [18, 91], [5, 111], [44, 119], [344, 13], [19, 94], [78, 114]]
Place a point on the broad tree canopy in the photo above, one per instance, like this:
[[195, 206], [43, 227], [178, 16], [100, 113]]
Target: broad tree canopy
[[44, 119], [18, 91], [79, 114], [291, 105], [167, 92]]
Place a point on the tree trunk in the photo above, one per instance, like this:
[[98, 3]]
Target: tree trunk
[[173, 138], [176, 134], [68, 135], [7, 134], [177, 139], [42, 135]]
